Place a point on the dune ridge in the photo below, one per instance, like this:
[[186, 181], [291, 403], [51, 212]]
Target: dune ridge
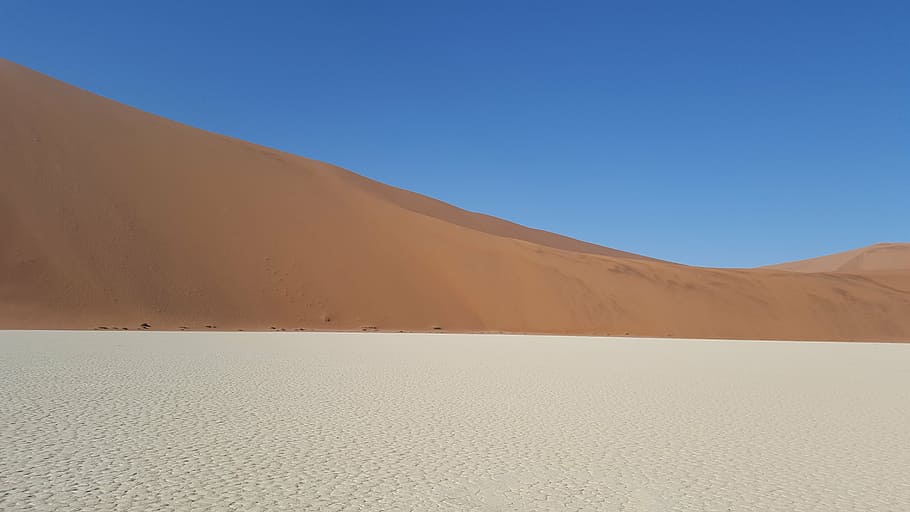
[[113, 217], [878, 257]]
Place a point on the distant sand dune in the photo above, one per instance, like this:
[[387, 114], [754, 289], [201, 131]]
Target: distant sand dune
[[112, 217], [885, 256]]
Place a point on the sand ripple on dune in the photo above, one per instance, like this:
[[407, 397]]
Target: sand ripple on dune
[[220, 421]]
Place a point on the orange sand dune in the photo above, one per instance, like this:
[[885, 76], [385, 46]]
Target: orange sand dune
[[113, 217], [887, 256]]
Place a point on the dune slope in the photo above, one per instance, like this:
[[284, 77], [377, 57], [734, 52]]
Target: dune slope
[[112, 217], [885, 256]]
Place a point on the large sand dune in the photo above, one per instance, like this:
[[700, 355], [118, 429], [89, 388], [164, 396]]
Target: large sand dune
[[305, 421], [113, 217], [878, 257]]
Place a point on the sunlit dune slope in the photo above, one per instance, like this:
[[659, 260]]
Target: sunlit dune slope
[[885, 256], [112, 217]]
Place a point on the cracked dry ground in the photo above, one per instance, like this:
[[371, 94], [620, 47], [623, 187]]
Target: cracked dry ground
[[308, 421]]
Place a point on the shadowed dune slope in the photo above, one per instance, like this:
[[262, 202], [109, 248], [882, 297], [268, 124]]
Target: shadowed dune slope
[[886, 256], [112, 217]]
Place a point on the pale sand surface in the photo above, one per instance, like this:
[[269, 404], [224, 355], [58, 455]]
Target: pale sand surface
[[305, 421]]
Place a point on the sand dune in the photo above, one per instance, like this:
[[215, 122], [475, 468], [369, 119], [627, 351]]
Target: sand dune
[[113, 217], [313, 421], [885, 256]]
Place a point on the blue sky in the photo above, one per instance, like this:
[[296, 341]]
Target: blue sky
[[710, 133]]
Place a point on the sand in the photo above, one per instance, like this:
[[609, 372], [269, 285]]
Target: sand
[[112, 217], [306, 421], [878, 257]]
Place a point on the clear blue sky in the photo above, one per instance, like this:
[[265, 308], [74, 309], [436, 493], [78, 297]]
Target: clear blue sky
[[726, 133]]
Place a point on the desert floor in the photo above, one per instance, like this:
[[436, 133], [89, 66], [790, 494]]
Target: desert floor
[[307, 421]]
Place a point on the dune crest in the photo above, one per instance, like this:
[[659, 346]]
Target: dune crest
[[878, 257], [112, 217]]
